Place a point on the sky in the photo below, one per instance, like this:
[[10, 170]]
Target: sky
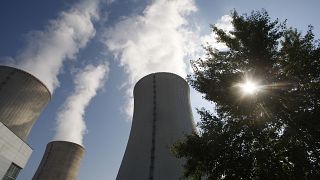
[[90, 53]]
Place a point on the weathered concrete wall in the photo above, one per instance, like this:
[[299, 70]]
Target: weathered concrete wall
[[162, 115], [61, 161], [22, 98]]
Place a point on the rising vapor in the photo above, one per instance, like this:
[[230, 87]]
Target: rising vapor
[[70, 120], [224, 23], [60, 40], [157, 40]]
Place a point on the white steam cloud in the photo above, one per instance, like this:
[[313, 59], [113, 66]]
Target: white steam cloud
[[157, 40], [62, 38], [223, 23], [70, 120]]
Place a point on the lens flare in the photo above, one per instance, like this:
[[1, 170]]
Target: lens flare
[[249, 87]]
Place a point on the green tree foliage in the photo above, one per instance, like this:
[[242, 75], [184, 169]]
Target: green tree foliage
[[273, 133]]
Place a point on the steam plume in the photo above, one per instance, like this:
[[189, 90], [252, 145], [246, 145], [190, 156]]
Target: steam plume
[[224, 23], [60, 40], [70, 120], [157, 40]]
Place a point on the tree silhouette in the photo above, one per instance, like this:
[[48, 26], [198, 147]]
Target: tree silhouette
[[271, 132]]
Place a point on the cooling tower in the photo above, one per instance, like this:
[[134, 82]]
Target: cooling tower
[[61, 161], [162, 115], [22, 98]]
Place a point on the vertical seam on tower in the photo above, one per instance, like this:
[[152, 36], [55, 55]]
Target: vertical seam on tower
[[153, 136]]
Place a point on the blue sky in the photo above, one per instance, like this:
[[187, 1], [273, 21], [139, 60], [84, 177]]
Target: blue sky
[[59, 41]]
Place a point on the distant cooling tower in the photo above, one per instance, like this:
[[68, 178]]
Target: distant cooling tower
[[22, 98], [162, 115], [61, 161]]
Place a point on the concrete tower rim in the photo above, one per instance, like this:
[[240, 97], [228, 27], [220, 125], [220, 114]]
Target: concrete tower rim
[[67, 142], [159, 73], [33, 76]]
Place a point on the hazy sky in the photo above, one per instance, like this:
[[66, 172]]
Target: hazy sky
[[91, 53]]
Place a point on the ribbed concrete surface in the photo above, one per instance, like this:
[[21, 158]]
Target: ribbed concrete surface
[[162, 115], [61, 161], [22, 98]]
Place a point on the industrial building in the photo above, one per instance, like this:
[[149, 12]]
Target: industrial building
[[61, 161], [162, 116], [22, 98]]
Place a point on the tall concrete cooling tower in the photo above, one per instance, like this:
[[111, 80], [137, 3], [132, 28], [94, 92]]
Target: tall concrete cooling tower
[[162, 115], [22, 98], [61, 161]]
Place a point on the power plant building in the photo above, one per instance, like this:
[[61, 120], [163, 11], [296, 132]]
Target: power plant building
[[61, 161], [162, 116], [22, 99]]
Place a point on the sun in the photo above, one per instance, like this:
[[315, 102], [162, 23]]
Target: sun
[[249, 87]]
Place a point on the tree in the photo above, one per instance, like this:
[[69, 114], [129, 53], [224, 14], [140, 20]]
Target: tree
[[272, 131]]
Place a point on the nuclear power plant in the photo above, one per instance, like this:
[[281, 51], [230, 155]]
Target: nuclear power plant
[[22, 98], [162, 115], [61, 161]]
